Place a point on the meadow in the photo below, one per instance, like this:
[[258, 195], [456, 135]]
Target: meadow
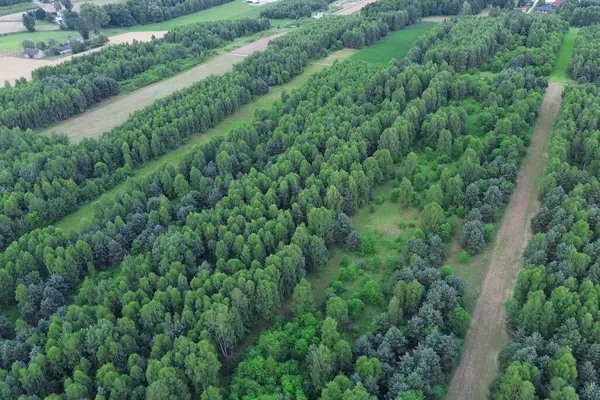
[[393, 46]]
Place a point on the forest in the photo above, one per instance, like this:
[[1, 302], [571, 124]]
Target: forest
[[294, 9], [65, 176], [554, 309], [153, 299], [584, 66]]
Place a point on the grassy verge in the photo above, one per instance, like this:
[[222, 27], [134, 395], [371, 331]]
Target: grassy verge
[[15, 8], [559, 73], [77, 220], [393, 46]]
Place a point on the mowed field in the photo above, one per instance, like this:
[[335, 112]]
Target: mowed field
[[395, 45], [77, 220]]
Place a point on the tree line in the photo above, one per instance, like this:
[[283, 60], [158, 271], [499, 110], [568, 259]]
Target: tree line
[[553, 311], [425, 8], [135, 12], [294, 9], [514, 39], [584, 65], [220, 240]]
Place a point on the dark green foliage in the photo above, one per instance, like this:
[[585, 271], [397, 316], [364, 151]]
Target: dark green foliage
[[585, 60], [555, 351], [28, 22], [294, 9], [585, 16], [131, 13]]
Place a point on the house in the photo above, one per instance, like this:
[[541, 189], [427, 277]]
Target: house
[[33, 53], [64, 49], [544, 9], [557, 3]]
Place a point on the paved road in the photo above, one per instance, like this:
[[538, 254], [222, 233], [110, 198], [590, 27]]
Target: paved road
[[487, 334]]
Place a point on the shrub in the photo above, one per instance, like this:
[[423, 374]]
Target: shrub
[[401, 225], [379, 200], [367, 242], [371, 207], [355, 308], [446, 270], [464, 257]]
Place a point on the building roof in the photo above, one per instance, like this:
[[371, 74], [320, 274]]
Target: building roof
[[557, 3], [31, 52], [64, 47], [544, 8]]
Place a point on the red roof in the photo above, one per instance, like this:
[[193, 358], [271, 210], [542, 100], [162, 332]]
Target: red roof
[[557, 3]]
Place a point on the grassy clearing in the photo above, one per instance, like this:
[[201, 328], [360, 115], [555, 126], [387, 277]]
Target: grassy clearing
[[559, 74], [77, 220], [15, 8], [395, 45]]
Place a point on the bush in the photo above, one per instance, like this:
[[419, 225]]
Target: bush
[[355, 308], [446, 232], [379, 200], [464, 257], [367, 242], [446, 270], [348, 274], [401, 225], [395, 195], [370, 293], [371, 207]]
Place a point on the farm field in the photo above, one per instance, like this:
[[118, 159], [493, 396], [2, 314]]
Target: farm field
[[395, 45], [77, 220]]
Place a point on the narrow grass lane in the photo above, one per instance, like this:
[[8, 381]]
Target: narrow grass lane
[[559, 74]]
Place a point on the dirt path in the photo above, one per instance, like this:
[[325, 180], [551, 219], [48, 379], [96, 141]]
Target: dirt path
[[487, 334]]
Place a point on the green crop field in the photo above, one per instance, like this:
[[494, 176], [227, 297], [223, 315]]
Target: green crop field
[[15, 8], [395, 45], [559, 74]]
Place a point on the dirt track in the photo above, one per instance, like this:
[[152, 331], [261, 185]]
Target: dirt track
[[487, 334]]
